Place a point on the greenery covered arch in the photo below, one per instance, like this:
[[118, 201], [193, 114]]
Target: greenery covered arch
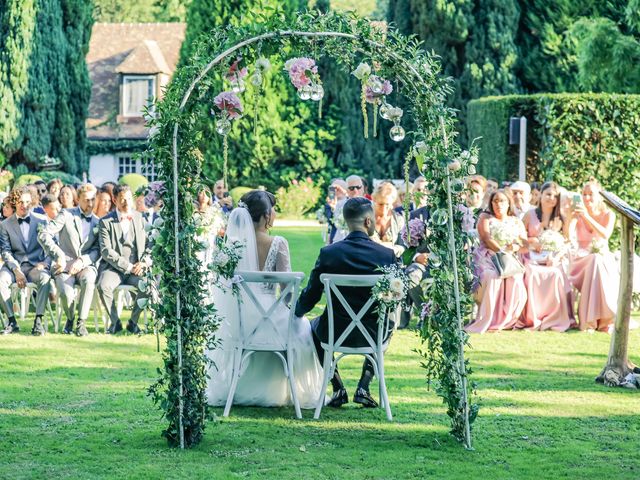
[[187, 321]]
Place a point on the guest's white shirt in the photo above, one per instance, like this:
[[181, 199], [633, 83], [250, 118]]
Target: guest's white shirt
[[86, 226], [24, 229], [125, 223]]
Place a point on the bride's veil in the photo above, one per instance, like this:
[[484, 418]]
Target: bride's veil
[[240, 227]]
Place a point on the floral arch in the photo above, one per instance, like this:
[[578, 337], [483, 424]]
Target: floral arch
[[185, 319]]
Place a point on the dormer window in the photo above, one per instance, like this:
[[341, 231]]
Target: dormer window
[[138, 92]]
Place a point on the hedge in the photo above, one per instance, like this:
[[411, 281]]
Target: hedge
[[570, 137]]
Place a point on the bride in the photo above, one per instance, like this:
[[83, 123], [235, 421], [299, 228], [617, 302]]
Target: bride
[[262, 381]]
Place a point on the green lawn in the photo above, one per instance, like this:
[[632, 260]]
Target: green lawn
[[76, 408]]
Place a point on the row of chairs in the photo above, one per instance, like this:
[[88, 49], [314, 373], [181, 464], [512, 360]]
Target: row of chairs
[[290, 285], [22, 297]]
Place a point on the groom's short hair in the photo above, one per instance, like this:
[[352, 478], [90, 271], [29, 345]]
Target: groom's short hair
[[355, 210]]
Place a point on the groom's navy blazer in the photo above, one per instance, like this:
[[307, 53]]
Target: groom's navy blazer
[[357, 254]]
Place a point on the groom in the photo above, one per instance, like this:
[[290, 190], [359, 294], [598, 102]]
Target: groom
[[357, 254]]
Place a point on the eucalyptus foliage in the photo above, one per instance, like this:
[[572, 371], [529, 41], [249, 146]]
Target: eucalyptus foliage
[[183, 310]]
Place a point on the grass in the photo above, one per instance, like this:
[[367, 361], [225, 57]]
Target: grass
[[76, 408]]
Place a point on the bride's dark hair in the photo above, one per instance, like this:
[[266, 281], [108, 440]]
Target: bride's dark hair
[[259, 204]]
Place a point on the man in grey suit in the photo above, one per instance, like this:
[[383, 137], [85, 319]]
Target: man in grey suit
[[75, 255], [125, 256], [24, 258]]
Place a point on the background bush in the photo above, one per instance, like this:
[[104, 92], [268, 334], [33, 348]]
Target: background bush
[[66, 178], [570, 137], [26, 180], [134, 180], [298, 197]]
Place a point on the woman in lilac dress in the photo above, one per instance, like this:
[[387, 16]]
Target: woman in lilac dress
[[549, 296], [501, 300], [593, 269]]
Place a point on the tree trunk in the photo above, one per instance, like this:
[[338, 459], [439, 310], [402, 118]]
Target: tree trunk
[[618, 365]]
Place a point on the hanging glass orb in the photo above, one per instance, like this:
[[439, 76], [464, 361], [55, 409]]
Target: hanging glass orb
[[317, 92], [396, 133], [237, 85], [457, 186], [256, 79], [223, 126], [305, 92], [376, 86], [440, 217], [434, 260], [384, 109]]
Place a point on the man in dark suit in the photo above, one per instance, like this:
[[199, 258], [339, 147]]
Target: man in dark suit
[[24, 259], [125, 256], [357, 254], [71, 240]]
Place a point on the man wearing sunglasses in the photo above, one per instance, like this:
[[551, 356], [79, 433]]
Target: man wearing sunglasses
[[354, 187]]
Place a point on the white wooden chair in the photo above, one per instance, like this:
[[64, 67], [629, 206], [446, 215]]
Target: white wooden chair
[[22, 297], [247, 345], [376, 347]]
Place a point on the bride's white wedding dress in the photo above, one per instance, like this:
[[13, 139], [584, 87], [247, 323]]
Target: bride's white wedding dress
[[262, 381]]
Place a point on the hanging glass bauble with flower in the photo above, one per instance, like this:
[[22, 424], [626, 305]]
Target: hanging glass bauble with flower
[[303, 73], [396, 133], [362, 73], [229, 108], [235, 75], [376, 91], [262, 66]]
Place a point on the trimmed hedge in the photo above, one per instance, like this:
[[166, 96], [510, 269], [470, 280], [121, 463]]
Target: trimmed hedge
[[67, 178], [570, 137]]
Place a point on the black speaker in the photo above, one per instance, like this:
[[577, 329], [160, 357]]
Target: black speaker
[[514, 131]]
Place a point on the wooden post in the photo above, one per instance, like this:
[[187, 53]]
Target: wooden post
[[618, 365]]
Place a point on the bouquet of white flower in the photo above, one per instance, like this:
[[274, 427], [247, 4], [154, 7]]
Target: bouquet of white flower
[[599, 245], [505, 233], [392, 288], [225, 260], [552, 241]]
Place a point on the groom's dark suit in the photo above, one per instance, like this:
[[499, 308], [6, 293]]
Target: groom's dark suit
[[355, 255]]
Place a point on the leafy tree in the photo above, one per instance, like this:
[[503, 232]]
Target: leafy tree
[[44, 78], [142, 11]]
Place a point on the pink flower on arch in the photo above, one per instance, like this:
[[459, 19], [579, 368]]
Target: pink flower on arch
[[236, 73], [299, 71], [387, 88], [230, 103]]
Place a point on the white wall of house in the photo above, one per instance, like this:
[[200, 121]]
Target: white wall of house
[[103, 168]]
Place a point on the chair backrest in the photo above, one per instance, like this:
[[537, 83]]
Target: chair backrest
[[332, 283], [265, 327]]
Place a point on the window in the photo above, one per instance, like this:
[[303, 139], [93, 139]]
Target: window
[[128, 164], [138, 92]]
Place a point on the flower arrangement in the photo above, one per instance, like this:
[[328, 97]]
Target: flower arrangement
[[376, 90], [362, 73], [415, 234], [552, 241], [392, 288], [230, 108], [153, 193], [303, 73], [235, 75], [505, 233]]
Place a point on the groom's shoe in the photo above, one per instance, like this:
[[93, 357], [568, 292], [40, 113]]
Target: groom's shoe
[[338, 398], [364, 398]]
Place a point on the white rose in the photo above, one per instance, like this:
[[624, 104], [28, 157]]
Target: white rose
[[362, 72], [263, 64], [398, 296], [396, 285], [221, 259], [386, 297]]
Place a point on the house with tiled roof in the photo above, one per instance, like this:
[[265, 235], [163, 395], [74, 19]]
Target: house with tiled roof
[[129, 64]]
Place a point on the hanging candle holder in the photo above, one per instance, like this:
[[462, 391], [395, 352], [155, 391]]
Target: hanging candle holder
[[376, 90], [235, 76], [303, 73], [396, 133], [262, 66], [229, 108]]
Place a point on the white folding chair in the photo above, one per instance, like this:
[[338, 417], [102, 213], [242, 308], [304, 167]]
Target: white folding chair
[[95, 306], [22, 296], [247, 344], [375, 349]]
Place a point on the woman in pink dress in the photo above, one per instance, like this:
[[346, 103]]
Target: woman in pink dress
[[501, 300], [549, 294], [593, 269]]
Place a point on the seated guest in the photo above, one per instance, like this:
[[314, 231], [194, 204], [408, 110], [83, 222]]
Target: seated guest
[[148, 214], [419, 193], [355, 255], [54, 186], [473, 203], [535, 194], [36, 206], [41, 187], [68, 197], [549, 298], [71, 240], [50, 205], [501, 300], [103, 203], [521, 192], [593, 269], [355, 188], [123, 248], [7, 208], [24, 258], [337, 197], [398, 205], [388, 223], [222, 197], [204, 201], [365, 188]]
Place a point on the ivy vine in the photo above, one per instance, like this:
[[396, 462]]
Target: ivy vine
[[188, 322]]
